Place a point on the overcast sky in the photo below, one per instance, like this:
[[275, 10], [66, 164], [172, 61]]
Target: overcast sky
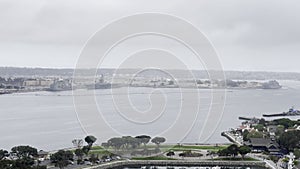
[[248, 35]]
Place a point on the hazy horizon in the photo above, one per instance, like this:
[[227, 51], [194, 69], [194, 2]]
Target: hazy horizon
[[60, 68]]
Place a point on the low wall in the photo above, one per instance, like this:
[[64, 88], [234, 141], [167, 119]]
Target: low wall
[[138, 163]]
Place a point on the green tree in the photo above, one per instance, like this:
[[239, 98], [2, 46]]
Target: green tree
[[61, 158], [3, 153], [93, 158], [233, 150], [130, 142], [280, 130], [224, 152], [105, 145], [297, 153], [144, 139], [6, 164], [245, 135], [79, 153], [24, 151], [86, 149], [243, 150], [158, 140], [255, 134], [262, 121], [90, 140], [287, 123], [116, 142], [290, 140], [260, 127], [23, 163], [25, 155]]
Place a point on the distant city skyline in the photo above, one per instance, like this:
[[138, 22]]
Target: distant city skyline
[[250, 35]]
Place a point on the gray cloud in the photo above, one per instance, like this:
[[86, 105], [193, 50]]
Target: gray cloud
[[251, 34]]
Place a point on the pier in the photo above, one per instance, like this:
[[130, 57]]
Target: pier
[[235, 139]]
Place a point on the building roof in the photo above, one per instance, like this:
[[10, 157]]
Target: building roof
[[264, 142], [259, 142]]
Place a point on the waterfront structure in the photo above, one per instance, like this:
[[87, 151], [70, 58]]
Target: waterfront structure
[[235, 138], [291, 112], [61, 85], [37, 82]]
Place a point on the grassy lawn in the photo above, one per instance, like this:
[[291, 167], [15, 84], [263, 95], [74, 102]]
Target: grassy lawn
[[164, 148], [198, 147], [98, 150]]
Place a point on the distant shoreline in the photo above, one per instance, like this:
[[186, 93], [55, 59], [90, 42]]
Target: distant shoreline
[[68, 72], [8, 91]]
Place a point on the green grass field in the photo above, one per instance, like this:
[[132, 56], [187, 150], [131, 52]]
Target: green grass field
[[98, 150], [164, 148], [198, 147]]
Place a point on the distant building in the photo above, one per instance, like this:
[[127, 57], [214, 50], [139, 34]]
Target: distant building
[[264, 145], [42, 155], [37, 82], [244, 127], [45, 82], [31, 82], [61, 85]]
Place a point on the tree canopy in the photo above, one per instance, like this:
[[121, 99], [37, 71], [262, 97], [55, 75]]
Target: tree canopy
[[25, 158], [290, 140], [3, 153], [144, 139], [243, 150], [158, 140], [61, 158], [287, 123], [255, 134], [234, 150], [24, 151], [90, 140]]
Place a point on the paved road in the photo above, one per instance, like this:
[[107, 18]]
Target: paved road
[[269, 163]]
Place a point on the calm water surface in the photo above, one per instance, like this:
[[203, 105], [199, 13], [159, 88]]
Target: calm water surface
[[48, 120]]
